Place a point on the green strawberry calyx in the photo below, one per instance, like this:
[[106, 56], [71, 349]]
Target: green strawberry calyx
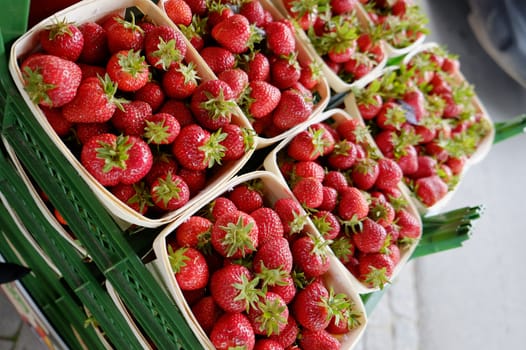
[[271, 317], [213, 150], [168, 188], [141, 197], [178, 258], [156, 132], [377, 277], [110, 89], [59, 28], [272, 277], [342, 248], [36, 87], [248, 291], [237, 237], [132, 63], [341, 308], [114, 154], [218, 106], [167, 53]]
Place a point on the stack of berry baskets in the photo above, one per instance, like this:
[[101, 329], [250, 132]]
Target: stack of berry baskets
[[353, 196], [339, 37], [252, 47], [400, 24], [426, 117], [147, 153], [52, 214], [259, 273]]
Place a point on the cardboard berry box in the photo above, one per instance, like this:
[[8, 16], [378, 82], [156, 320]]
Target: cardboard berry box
[[276, 162], [272, 190], [321, 92], [98, 10], [483, 120]]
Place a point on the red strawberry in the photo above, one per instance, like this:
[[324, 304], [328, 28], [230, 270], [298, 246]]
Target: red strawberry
[[311, 255], [286, 288], [310, 306], [238, 140], [375, 269], [253, 11], [219, 206], [344, 249], [164, 47], [178, 11], [389, 174], [189, 267], [196, 149], [213, 104], [318, 339], [327, 224], [54, 117], [233, 330], [89, 70], [381, 211], [291, 215], [310, 144], [62, 39], [285, 71], [427, 166], [85, 131], [336, 180], [330, 199], [310, 74], [151, 93], [457, 164], [235, 235], [371, 237], [270, 315], [293, 108], [218, 58], [206, 313], [269, 224], [180, 81], [161, 128], [343, 156], [162, 163], [273, 255], [195, 179], [309, 192], [234, 288], [123, 34], [95, 48], [280, 38], [49, 80], [258, 67], [408, 225], [263, 98], [217, 11], [128, 69], [170, 192], [198, 7], [237, 79], [131, 120], [233, 33], [179, 110], [415, 98], [95, 101], [136, 196], [247, 197], [267, 344], [353, 204], [308, 168], [289, 334], [408, 161], [115, 159], [194, 232], [391, 116], [365, 173], [430, 189]]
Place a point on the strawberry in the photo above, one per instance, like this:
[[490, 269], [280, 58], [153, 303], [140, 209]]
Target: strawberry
[[233, 330], [310, 144], [285, 287], [54, 117], [62, 39], [308, 168], [430, 189], [289, 334], [247, 197], [457, 164], [235, 235], [310, 306], [194, 232], [270, 315], [285, 71], [416, 100], [198, 7], [389, 174], [178, 11], [237, 79], [327, 224], [206, 313], [128, 69], [162, 163], [336, 180], [310, 74], [189, 267], [151, 93], [217, 11], [371, 237], [273, 261], [180, 81], [343, 156], [427, 166], [213, 104], [365, 173], [136, 196], [161, 128], [218, 58], [293, 108], [164, 47], [408, 225], [196, 149], [253, 11], [311, 255], [309, 192], [391, 116], [291, 215], [95, 101], [115, 159], [352, 205], [370, 106], [344, 249], [85, 131], [49, 80], [381, 211], [169, 192], [318, 339], [375, 269], [179, 110], [238, 140], [131, 120], [330, 199], [408, 161], [95, 48], [257, 67], [89, 70], [195, 179], [123, 35], [280, 38], [262, 98], [269, 225], [219, 206], [267, 344], [233, 33], [234, 288]]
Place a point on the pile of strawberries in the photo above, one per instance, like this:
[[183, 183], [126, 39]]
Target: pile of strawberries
[[130, 102], [399, 22], [353, 196], [257, 55], [423, 116], [254, 274], [347, 46]]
